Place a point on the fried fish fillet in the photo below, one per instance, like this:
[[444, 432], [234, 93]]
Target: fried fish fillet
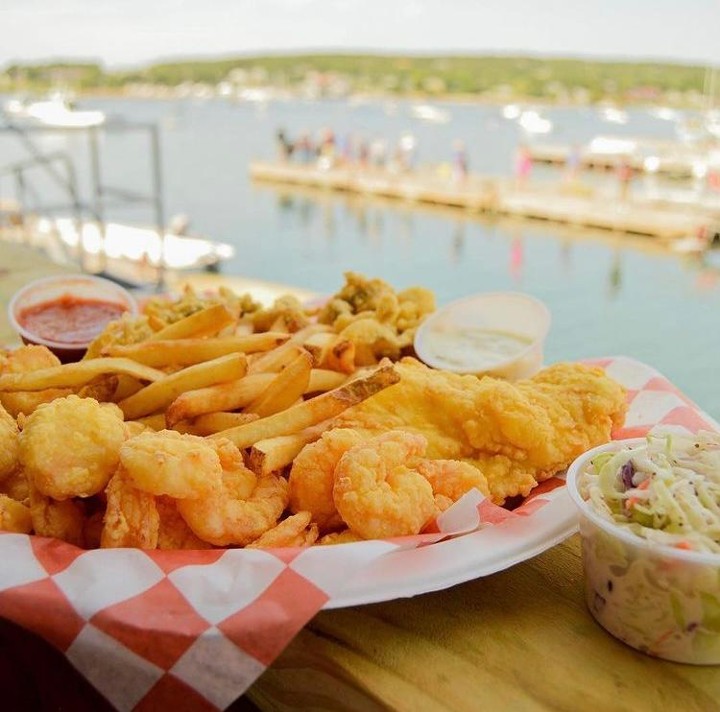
[[518, 434]]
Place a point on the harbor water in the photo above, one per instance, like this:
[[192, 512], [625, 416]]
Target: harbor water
[[608, 293]]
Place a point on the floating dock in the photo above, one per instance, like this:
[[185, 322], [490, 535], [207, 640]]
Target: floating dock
[[667, 158], [500, 197]]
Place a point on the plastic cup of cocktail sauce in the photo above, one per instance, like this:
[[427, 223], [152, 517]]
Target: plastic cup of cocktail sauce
[[499, 334], [66, 312]]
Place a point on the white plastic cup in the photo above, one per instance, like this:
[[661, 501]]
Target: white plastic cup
[[47, 289], [652, 597], [512, 312]]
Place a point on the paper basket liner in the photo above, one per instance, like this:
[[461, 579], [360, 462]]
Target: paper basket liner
[[194, 629]]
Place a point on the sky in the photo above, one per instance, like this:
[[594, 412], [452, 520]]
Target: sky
[[127, 33]]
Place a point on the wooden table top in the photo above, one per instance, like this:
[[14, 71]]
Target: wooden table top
[[521, 639]]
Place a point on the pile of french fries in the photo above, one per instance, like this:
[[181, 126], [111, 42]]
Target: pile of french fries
[[210, 374]]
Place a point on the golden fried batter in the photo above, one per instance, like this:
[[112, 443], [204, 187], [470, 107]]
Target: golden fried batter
[[8, 444], [71, 446], [22, 360], [516, 434]]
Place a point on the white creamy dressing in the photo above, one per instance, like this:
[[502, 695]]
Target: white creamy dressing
[[475, 348]]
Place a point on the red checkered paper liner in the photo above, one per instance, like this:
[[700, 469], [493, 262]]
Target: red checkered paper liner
[[151, 629]]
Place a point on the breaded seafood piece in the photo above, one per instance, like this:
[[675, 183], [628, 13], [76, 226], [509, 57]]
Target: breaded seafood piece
[[312, 476], [229, 515], [9, 446], [14, 516], [516, 434], [23, 360], [70, 447], [171, 463], [131, 517], [378, 491], [296, 530], [58, 520]]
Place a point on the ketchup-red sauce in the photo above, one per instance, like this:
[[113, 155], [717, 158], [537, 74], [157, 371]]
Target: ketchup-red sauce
[[68, 319]]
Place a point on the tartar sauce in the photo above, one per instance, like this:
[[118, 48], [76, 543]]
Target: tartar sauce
[[474, 348]]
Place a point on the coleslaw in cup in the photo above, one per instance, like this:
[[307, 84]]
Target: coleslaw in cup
[[650, 528]]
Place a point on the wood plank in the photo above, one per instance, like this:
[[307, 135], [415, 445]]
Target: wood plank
[[521, 639]]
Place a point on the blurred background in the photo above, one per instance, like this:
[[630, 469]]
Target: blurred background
[[572, 152]]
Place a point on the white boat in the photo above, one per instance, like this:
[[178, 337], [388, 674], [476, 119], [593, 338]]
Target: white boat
[[511, 111], [138, 244], [613, 115], [664, 113], [55, 111], [533, 122], [429, 113]]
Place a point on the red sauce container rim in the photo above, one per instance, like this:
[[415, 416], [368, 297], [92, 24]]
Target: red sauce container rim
[[66, 284]]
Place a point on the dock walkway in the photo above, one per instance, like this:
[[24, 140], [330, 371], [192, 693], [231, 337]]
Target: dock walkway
[[500, 197]]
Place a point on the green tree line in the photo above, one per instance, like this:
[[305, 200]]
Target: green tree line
[[529, 76]]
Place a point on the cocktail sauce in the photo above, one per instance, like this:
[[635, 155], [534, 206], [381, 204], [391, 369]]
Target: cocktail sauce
[[69, 319]]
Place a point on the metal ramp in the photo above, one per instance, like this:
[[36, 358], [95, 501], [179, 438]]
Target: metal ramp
[[26, 208]]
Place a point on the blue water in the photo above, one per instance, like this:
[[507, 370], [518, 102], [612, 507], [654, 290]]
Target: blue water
[[608, 294]]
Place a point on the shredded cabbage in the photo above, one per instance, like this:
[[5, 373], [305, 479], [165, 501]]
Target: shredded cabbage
[[666, 491]]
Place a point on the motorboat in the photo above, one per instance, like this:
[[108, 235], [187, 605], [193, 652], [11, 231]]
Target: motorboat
[[141, 245], [613, 115], [429, 113], [56, 111], [511, 112], [533, 122], [665, 113]]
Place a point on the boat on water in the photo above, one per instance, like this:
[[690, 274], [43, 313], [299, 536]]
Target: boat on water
[[533, 122], [56, 111], [140, 245], [511, 112], [613, 115], [431, 114]]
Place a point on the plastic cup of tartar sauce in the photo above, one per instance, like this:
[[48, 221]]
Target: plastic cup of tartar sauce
[[499, 334]]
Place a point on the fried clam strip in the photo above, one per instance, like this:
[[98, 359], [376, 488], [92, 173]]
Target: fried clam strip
[[239, 393], [310, 412], [77, 374], [185, 352], [207, 322], [164, 391]]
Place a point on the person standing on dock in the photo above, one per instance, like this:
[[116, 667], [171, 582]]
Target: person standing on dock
[[523, 165], [625, 176], [460, 162], [285, 146], [572, 164]]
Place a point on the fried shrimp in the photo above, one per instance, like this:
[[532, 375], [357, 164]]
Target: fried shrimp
[[16, 486], [293, 531], [174, 533], [70, 447], [131, 517], [229, 516], [312, 476], [167, 462], [452, 478], [14, 516], [346, 536], [9, 450], [378, 493], [59, 520]]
